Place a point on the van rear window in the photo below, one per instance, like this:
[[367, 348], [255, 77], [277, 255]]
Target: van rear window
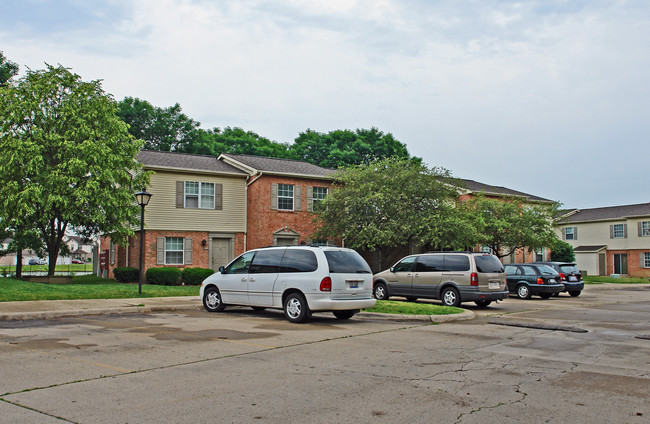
[[488, 263], [346, 262]]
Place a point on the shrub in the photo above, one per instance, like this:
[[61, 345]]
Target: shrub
[[195, 276], [126, 274], [163, 276]]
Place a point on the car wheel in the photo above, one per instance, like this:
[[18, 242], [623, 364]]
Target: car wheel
[[295, 308], [258, 308], [411, 298], [380, 292], [482, 303], [545, 295], [523, 292], [575, 293], [212, 300], [450, 297], [344, 314]]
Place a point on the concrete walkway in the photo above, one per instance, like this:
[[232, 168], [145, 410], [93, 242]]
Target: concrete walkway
[[46, 309]]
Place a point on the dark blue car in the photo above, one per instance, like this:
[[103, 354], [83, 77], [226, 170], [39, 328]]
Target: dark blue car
[[526, 280]]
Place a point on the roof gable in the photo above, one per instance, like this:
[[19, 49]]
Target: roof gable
[[288, 167], [608, 213], [186, 162], [475, 186]]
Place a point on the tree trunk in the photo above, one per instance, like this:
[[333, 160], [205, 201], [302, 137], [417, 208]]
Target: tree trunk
[[19, 262]]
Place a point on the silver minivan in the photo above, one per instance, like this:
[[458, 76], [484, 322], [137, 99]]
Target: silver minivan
[[298, 279], [452, 277]]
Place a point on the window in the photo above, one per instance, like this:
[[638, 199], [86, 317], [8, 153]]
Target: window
[[285, 197], [429, 263], [620, 263], [539, 255], [644, 229], [528, 270], [267, 261], [646, 260], [406, 265], [174, 250], [569, 233], [456, 263], [299, 260], [341, 262], [318, 194], [618, 231], [240, 265], [199, 195], [488, 264]]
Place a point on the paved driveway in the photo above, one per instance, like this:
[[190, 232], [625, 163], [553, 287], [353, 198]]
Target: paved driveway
[[242, 366]]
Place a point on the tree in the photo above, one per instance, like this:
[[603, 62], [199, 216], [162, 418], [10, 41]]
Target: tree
[[8, 70], [390, 203], [340, 148], [165, 129], [562, 251], [67, 162], [508, 224], [235, 141]]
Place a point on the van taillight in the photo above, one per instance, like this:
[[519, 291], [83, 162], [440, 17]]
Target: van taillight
[[326, 284], [540, 281], [473, 279], [562, 277]]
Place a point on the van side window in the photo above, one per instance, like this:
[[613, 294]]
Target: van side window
[[267, 261], [429, 263], [406, 265], [456, 263], [299, 260], [241, 264]]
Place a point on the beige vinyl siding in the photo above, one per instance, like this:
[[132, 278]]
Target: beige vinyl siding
[[162, 213], [598, 233]]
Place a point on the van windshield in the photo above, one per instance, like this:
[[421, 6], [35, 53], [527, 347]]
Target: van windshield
[[488, 263], [346, 262]]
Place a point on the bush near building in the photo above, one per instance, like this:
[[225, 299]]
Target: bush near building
[[195, 276], [163, 276]]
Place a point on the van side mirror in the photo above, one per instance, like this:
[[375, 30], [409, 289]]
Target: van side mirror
[[222, 269], [392, 269]]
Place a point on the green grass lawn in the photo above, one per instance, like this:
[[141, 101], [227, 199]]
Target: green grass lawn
[[595, 279], [411, 308], [86, 287], [11, 269]]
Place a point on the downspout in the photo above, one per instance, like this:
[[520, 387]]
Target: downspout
[[259, 174]]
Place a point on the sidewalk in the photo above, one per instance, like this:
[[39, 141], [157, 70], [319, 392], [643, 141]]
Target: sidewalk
[[44, 309]]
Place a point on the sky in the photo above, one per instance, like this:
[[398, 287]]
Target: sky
[[547, 97]]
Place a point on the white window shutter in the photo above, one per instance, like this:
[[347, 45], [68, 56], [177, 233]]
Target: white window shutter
[[180, 194], [274, 196], [160, 250], [310, 198], [188, 251], [297, 198]]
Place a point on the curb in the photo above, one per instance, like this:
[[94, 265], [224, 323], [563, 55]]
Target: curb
[[464, 316]]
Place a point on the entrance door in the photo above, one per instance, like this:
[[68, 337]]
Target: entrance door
[[220, 252], [620, 263], [602, 269]]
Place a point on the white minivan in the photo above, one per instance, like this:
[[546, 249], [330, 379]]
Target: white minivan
[[298, 279]]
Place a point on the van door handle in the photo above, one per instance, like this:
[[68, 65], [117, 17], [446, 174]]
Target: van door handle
[[252, 279], [243, 279]]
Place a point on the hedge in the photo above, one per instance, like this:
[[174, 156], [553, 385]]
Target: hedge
[[163, 276], [126, 274], [195, 276]]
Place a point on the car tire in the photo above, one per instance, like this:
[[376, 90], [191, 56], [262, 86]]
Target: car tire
[[482, 303], [546, 295], [344, 314], [450, 297], [523, 291], [575, 293], [296, 309], [411, 299], [212, 300], [258, 308], [380, 292]]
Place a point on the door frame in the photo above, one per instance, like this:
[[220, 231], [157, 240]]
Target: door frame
[[231, 246]]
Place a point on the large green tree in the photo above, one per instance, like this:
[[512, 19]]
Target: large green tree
[[166, 129], [235, 140], [340, 148], [390, 203], [509, 223], [8, 69], [67, 162]]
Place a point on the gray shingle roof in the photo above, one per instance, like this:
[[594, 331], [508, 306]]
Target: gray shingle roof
[[281, 166], [608, 213], [155, 159], [589, 248], [475, 186]]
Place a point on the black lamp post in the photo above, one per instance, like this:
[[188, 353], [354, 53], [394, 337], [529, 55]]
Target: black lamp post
[[143, 199]]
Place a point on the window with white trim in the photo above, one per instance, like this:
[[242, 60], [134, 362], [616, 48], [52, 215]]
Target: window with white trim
[[646, 262], [285, 197], [318, 194], [569, 234], [199, 195], [174, 251], [619, 231], [645, 228]]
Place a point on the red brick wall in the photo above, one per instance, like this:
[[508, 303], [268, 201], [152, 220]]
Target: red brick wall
[[634, 265], [263, 222]]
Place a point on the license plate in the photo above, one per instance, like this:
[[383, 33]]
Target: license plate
[[552, 281], [354, 284], [493, 285], [573, 278]]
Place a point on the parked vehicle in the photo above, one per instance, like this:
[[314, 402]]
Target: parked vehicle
[[77, 261], [570, 276], [38, 261], [526, 280], [453, 277], [298, 279]]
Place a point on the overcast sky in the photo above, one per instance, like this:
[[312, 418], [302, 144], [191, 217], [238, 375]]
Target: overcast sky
[[548, 97]]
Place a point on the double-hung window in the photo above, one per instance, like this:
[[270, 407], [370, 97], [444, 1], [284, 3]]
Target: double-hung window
[[644, 229], [318, 195], [569, 233], [285, 197], [646, 260], [618, 231], [199, 195], [174, 251]]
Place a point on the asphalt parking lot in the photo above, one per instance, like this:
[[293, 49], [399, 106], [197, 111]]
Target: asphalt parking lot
[[245, 366]]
